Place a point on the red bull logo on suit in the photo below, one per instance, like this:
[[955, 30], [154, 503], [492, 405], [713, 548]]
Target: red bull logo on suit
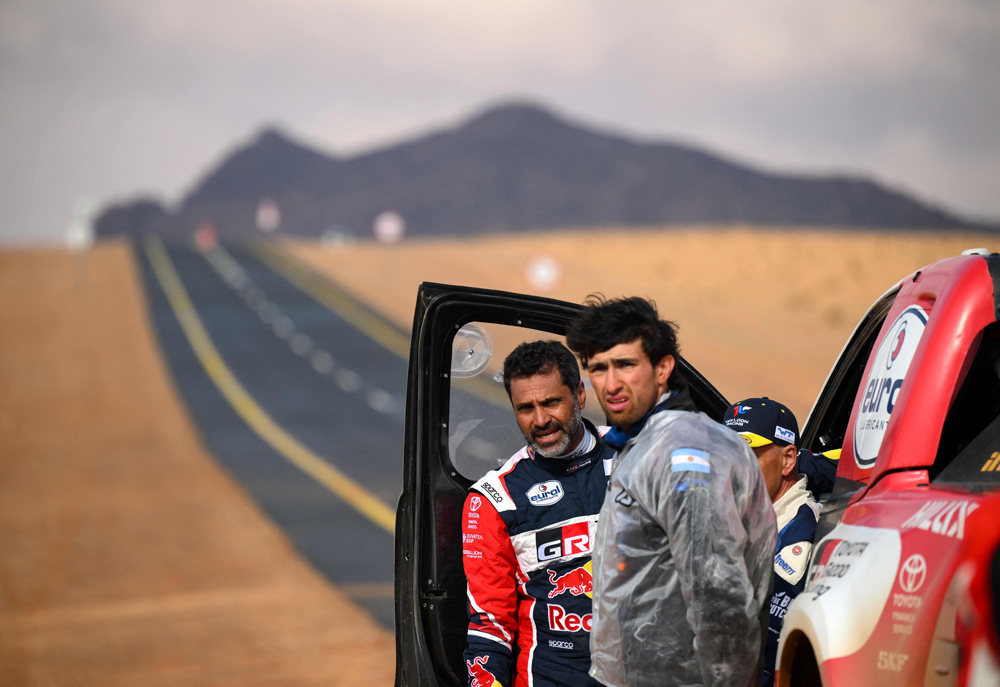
[[480, 676], [577, 581]]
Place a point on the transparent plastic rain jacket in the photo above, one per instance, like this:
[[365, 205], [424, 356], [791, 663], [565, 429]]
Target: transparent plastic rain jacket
[[683, 558]]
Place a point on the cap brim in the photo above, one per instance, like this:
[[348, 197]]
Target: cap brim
[[755, 440]]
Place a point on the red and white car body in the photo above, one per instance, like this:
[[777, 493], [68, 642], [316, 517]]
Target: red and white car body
[[920, 455]]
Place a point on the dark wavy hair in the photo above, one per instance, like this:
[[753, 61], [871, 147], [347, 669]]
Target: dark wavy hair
[[541, 357], [606, 323]]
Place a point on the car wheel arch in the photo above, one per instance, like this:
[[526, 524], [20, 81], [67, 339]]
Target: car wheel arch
[[798, 666]]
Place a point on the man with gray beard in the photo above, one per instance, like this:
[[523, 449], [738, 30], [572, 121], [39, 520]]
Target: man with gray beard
[[527, 529]]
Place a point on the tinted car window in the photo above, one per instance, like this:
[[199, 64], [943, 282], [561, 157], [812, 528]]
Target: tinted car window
[[969, 452]]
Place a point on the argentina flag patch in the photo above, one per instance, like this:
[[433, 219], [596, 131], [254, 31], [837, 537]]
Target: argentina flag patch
[[689, 460]]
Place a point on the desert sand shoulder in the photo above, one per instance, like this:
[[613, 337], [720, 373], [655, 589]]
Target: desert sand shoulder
[[762, 312], [127, 555]]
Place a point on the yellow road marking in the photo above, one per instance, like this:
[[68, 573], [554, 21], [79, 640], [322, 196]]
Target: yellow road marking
[[334, 299], [271, 432], [345, 307]]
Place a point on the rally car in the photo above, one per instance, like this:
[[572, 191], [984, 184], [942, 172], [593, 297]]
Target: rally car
[[920, 438], [913, 402]]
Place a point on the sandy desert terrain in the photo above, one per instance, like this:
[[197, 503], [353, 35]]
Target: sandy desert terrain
[[127, 556], [761, 312]]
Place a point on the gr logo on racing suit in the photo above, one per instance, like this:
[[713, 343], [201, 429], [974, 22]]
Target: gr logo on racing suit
[[568, 540], [480, 676]]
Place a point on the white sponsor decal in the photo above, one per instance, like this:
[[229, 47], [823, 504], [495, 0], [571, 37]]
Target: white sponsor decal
[[912, 573], [848, 590], [881, 388], [545, 493], [790, 563], [569, 539], [946, 518], [892, 662], [784, 434], [474, 503]]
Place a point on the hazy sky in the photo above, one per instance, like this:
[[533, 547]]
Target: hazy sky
[[106, 99]]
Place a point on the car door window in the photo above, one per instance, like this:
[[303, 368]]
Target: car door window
[[482, 432], [827, 423], [969, 451]]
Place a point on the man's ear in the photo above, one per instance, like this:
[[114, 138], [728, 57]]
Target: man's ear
[[663, 370], [581, 395], [789, 456]]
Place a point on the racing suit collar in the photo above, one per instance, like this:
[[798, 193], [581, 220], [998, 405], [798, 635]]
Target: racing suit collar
[[563, 465], [787, 506], [678, 399]]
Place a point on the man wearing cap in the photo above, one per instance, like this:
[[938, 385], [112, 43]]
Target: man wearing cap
[[773, 434]]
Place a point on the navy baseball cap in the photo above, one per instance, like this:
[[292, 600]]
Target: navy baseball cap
[[762, 421]]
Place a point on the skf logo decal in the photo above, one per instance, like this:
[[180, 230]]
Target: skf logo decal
[[545, 493], [577, 581], [912, 573], [882, 387], [480, 676], [892, 662], [474, 503], [561, 621], [491, 490], [565, 541], [946, 518]]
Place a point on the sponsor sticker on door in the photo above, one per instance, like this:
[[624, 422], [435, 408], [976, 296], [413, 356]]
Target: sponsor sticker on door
[[885, 379]]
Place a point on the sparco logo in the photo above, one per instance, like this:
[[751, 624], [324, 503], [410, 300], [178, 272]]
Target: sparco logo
[[912, 573], [492, 492]]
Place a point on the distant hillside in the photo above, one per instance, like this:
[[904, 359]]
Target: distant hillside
[[514, 168]]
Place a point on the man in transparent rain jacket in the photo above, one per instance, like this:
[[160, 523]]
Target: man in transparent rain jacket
[[685, 540]]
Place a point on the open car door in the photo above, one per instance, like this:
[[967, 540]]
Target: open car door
[[459, 425]]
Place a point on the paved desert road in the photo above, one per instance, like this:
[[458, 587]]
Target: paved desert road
[[271, 375]]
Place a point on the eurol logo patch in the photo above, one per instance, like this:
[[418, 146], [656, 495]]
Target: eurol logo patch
[[545, 493], [884, 382]]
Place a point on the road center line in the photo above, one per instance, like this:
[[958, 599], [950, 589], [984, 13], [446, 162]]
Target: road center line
[[324, 292], [253, 414]]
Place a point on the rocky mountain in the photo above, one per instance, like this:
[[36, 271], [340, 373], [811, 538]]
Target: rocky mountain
[[513, 168]]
